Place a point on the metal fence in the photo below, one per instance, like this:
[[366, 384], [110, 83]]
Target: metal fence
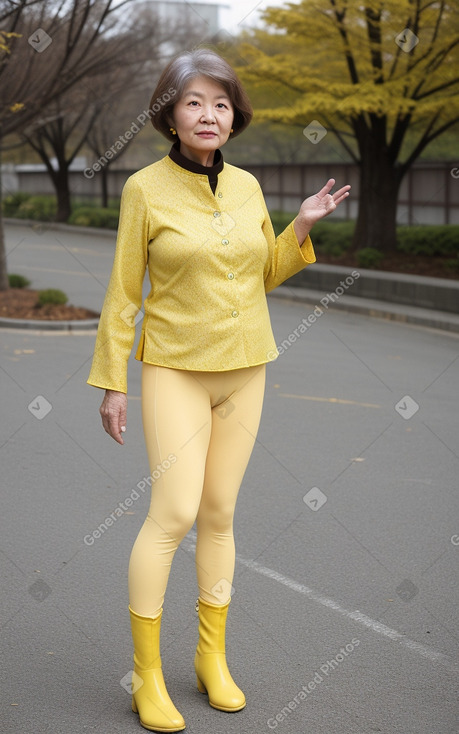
[[429, 193]]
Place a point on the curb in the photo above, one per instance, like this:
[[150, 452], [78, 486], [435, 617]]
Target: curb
[[399, 289], [41, 227], [368, 307], [43, 325]]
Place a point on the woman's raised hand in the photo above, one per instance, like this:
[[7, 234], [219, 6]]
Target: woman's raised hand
[[113, 411], [318, 206]]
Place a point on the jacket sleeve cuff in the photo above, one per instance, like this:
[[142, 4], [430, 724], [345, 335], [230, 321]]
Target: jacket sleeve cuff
[[105, 384], [306, 249]]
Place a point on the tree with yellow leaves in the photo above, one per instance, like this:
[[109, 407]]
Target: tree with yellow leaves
[[382, 75]]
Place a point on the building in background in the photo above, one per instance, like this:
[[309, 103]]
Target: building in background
[[202, 17]]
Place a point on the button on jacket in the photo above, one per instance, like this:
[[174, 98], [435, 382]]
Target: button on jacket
[[211, 260]]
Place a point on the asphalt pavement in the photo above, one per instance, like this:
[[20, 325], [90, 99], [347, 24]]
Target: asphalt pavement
[[344, 616]]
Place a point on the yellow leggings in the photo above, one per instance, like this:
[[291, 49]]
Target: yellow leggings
[[200, 429]]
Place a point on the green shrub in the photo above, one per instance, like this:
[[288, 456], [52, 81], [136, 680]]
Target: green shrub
[[18, 281], [42, 208], [89, 216], [11, 203], [86, 202], [333, 250], [330, 238], [369, 257], [281, 220], [51, 295], [333, 238], [426, 239], [82, 220]]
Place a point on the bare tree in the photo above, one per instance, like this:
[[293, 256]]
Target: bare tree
[[120, 120], [59, 137], [57, 43], [90, 112]]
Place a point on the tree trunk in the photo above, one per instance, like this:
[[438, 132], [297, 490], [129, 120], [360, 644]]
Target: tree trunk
[[4, 284], [104, 181], [377, 217], [61, 183]]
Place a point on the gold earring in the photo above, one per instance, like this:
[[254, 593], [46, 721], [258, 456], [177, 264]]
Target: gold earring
[[231, 131], [173, 130]]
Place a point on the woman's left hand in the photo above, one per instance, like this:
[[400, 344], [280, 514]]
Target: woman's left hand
[[318, 206]]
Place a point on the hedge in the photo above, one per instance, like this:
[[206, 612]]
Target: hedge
[[427, 239], [88, 216], [335, 237], [43, 208], [11, 203]]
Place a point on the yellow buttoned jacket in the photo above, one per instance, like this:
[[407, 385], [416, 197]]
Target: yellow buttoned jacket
[[211, 260]]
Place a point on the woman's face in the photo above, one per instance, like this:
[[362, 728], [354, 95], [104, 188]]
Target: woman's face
[[203, 118]]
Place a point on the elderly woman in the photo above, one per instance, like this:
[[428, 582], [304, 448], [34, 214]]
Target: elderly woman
[[202, 228]]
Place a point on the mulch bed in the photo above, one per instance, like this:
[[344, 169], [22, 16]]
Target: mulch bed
[[432, 267], [22, 303]]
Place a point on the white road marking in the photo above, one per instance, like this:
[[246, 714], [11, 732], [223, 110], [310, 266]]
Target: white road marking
[[356, 616]]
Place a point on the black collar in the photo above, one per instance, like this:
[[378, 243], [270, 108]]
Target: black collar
[[189, 165]]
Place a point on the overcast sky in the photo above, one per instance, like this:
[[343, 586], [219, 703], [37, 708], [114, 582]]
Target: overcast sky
[[237, 14]]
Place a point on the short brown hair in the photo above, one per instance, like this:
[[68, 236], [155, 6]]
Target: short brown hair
[[187, 66]]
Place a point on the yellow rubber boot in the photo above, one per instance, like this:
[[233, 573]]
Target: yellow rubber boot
[[213, 676], [150, 698]]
